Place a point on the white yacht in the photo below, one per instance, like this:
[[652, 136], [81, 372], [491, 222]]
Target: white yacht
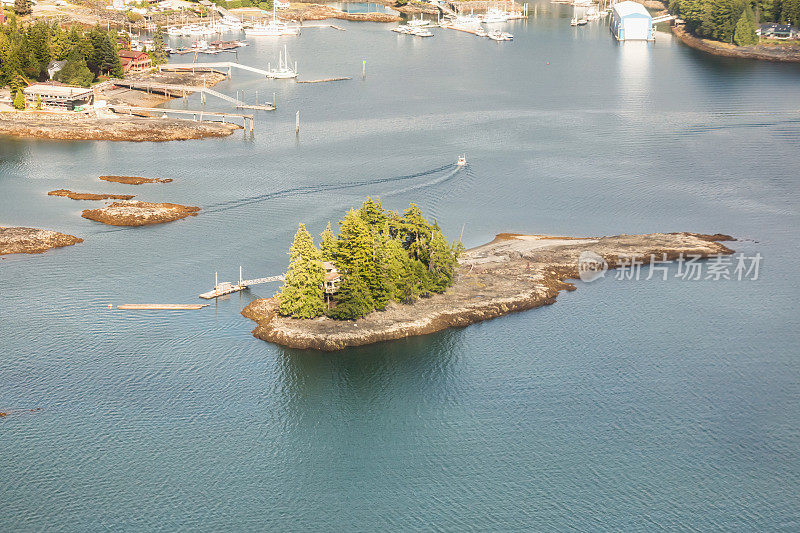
[[284, 71]]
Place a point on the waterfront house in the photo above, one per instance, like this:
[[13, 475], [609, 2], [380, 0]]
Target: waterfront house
[[630, 21], [57, 96], [281, 5], [332, 277], [133, 61], [773, 30]]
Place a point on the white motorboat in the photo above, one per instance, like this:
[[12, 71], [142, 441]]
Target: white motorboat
[[284, 71], [497, 35], [574, 21], [418, 22], [462, 161], [421, 32], [273, 28], [495, 15]]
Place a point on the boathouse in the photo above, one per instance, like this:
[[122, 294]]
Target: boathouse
[[57, 96], [630, 21]]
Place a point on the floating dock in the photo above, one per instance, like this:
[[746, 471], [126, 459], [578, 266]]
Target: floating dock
[[229, 287], [164, 307], [323, 80]]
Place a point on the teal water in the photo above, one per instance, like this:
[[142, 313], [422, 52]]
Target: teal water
[[625, 406]]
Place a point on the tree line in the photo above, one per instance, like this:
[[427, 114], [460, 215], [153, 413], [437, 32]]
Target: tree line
[[382, 256], [27, 50], [734, 21]]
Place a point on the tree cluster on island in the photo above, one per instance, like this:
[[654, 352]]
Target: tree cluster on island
[[733, 21], [381, 256]]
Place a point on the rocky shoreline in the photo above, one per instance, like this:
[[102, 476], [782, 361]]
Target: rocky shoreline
[[512, 273], [133, 213], [62, 126], [789, 54], [19, 240]]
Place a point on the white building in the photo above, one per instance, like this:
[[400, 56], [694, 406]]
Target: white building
[[631, 22]]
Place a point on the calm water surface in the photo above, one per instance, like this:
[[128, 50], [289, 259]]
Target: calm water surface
[[625, 406]]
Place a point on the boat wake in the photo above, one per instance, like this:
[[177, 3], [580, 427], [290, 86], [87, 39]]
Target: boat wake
[[447, 171], [313, 189]]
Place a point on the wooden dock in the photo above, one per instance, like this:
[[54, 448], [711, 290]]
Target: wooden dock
[[162, 307], [247, 120], [323, 80]]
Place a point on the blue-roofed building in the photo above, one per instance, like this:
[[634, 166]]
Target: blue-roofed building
[[632, 22], [773, 30]]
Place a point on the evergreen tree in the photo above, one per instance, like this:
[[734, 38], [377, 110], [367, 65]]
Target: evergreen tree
[[399, 272], [373, 215], [328, 246], [442, 263], [19, 100], [354, 299], [745, 34], [415, 231], [355, 258], [75, 71], [302, 294], [158, 55], [790, 12]]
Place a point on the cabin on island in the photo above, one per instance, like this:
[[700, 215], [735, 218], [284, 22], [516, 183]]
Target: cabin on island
[[630, 21], [332, 277], [773, 30], [133, 61], [57, 96]]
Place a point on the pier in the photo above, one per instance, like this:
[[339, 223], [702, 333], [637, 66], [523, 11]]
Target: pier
[[247, 120], [210, 67], [229, 287]]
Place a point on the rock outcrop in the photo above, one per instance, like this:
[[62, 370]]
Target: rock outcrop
[[139, 213], [18, 240]]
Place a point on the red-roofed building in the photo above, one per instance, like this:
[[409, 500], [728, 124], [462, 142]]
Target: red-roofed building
[[133, 61]]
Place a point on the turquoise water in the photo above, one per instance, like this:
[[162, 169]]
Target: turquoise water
[[625, 406]]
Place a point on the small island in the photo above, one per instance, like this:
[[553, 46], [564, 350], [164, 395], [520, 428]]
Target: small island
[[19, 240], [133, 213], [66, 193], [388, 276]]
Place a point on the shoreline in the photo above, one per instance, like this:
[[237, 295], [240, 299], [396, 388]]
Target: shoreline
[[103, 125], [743, 52], [510, 274]]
